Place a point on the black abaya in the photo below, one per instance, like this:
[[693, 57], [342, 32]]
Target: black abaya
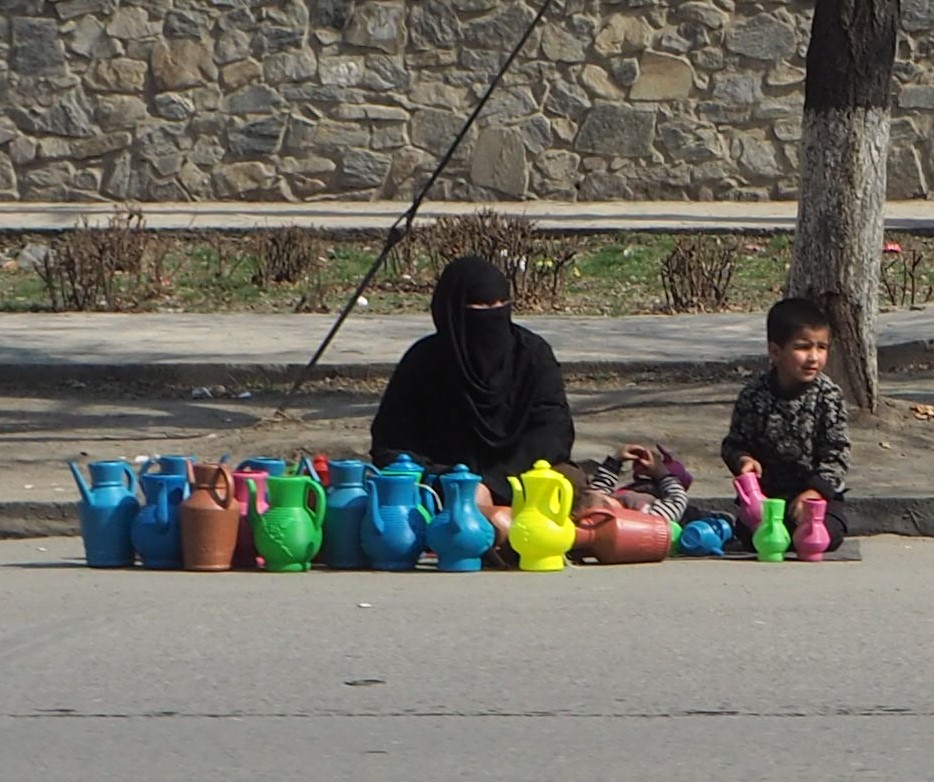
[[482, 391]]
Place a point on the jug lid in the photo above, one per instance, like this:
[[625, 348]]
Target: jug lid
[[403, 464], [460, 472], [542, 469]]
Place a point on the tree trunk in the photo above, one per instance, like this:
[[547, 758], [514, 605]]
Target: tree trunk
[[844, 144]]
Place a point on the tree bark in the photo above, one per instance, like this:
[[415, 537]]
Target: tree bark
[[844, 145]]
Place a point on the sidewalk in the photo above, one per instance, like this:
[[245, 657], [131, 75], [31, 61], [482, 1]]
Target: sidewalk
[[72, 344], [589, 217]]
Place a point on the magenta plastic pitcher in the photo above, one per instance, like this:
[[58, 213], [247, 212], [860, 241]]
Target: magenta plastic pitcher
[[810, 536], [750, 499]]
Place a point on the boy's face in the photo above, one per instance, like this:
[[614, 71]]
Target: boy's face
[[802, 358]]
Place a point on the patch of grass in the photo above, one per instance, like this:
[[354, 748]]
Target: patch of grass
[[22, 291], [612, 275]]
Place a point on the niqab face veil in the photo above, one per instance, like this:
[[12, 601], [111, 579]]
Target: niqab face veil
[[480, 348]]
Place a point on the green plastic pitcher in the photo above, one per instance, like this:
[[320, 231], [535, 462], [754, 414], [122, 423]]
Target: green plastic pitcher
[[288, 534], [771, 538]]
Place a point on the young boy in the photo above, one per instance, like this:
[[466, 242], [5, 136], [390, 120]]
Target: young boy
[[789, 426], [664, 495]]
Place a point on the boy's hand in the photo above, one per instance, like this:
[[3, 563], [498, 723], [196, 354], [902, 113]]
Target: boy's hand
[[631, 452], [797, 504], [748, 464], [644, 459]]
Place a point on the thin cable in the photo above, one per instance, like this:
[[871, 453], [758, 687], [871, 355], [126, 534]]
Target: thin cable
[[397, 233]]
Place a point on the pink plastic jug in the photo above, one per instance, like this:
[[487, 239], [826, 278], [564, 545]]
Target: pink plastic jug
[[750, 499], [811, 537]]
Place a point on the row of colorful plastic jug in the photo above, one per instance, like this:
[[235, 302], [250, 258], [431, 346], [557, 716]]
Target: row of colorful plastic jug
[[365, 519], [379, 518], [180, 524], [542, 531], [765, 517]]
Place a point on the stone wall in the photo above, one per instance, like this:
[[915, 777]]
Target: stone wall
[[156, 100]]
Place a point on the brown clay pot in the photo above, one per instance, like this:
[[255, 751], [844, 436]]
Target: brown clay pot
[[621, 536], [210, 520]]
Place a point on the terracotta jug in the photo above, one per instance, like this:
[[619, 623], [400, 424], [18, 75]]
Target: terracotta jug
[[622, 536], [245, 553], [288, 534], [210, 518], [542, 531]]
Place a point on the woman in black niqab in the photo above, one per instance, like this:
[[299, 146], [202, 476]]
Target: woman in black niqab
[[481, 391]]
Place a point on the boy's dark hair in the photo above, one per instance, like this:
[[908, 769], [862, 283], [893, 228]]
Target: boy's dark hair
[[789, 316]]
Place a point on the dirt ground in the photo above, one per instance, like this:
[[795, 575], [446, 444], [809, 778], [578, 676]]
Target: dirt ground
[[39, 432]]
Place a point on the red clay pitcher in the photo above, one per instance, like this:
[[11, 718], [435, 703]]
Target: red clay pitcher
[[210, 519]]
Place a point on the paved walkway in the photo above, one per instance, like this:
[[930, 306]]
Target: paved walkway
[[81, 339], [593, 217]]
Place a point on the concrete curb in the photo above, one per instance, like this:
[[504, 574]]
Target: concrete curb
[[910, 516]]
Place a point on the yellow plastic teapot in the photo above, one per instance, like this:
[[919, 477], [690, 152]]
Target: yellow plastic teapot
[[542, 530]]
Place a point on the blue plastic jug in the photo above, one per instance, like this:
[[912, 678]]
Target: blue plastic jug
[[344, 512], [460, 534], [155, 531], [406, 465], [700, 539], [393, 529], [106, 511], [170, 465]]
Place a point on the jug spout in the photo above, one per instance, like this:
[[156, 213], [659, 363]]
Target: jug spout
[[518, 494], [82, 486], [253, 515]]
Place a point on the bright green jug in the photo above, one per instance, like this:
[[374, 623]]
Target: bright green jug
[[288, 534], [771, 538]]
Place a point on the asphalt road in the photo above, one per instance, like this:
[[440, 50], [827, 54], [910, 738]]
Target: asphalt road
[[687, 670]]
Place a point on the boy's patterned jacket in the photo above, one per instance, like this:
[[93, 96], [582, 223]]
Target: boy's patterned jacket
[[802, 441]]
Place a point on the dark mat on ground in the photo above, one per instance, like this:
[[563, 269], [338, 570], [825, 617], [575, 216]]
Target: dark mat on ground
[[848, 552]]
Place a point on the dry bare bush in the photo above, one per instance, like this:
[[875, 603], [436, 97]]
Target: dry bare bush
[[696, 274], [535, 266], [290, 254], [907, 277], [114, 268]]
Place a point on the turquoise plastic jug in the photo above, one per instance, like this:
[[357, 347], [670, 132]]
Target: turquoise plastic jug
[[106, 511]]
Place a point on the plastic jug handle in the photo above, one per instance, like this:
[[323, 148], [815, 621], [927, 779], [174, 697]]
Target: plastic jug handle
[[228, 486], [317, 514], [565, 501], [594, 517], [305, 467], [252, 510], [371, 468], [433, 493], [162, 505], [132, 484]]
